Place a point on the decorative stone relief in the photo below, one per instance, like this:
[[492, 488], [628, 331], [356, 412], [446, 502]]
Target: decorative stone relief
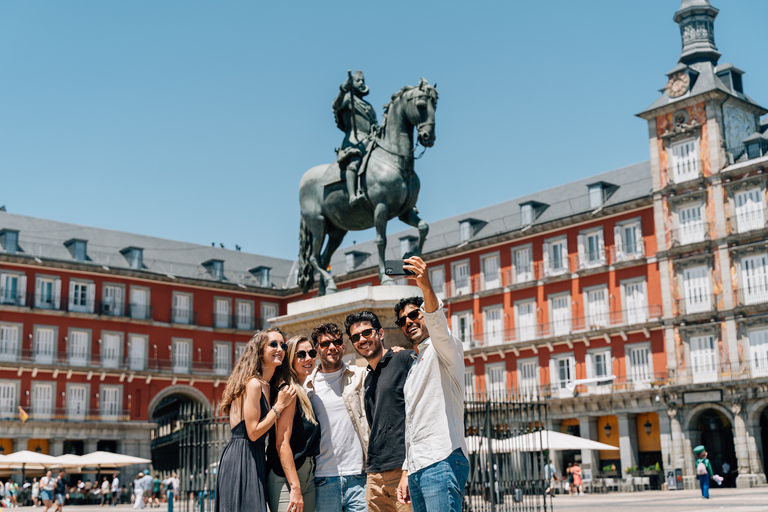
[[738, 125]]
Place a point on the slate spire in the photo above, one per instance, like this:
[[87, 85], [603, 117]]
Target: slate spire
[[697, 30]]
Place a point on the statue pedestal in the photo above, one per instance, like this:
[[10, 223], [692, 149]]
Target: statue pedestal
[[305, 315]]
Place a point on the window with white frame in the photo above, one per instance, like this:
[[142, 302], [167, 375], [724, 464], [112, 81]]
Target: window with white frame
[[222, 358], [754, 279], [591, 248], [461, 282], [628, 240], [42, 400], [8, 399], [110, 402], [47, 292], [639, 363], [244, 314], [596, 195], [112, 303], [491, 271], [137, 352], [139, 303], [703, 359], [45, 345], [528, 377], [635, 304], [13, 289], [525, 319], [182, 356], [692, 227], [462, 327], [437, 278], [82, 296], [496, 381], [750, 212], [556, 256], [599, 363], [469, 383], [269, 310], [493, 325], [78, 345], [698, 289], [10, 240], [523, 262], [758, 352], [563, 370], [111, 344], [465, 230], [77, 401], [560, 308], [526, 214], [685, 161], [221, 312], [182, 308], [10, 336], [597, 307]]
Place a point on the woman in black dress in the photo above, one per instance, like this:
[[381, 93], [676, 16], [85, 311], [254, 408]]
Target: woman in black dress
[[294, 441], [241, 478]]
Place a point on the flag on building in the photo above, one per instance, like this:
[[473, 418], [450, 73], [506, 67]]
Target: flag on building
[[23, 416]]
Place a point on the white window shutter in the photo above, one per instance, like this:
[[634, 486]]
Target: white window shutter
[[3, 283], [91, 297], [554, 378], [546, 256], [601, 246], [38, 291], [617, 243], [581, 239], [23, 290], [57, 294], [71, 295]]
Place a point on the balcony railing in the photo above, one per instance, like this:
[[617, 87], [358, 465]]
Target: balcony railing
[[691, 233], [59, 414], [588, 260], [631, 252], [462, 288], [690, 306], [61, 303], [565, 327], [183, 316], [742, 153], [750, 296], [744, 222], [685, 171]]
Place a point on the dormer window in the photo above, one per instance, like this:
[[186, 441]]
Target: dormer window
[[261, 274], [215, 268], [134, 256], [465, 231], [731, 77], [596, 195], [407, 244], [10, 240], [526, 214], [78, 249], [354, 259]]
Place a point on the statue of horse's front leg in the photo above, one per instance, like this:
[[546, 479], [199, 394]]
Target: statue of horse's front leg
[[380, 219], [412, 219]]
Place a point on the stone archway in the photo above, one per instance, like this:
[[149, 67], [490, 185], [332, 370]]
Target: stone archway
[[712, 425], [757, 432], [193, 394]]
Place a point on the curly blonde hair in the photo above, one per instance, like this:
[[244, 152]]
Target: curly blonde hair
[[287, 373], [248, 366]]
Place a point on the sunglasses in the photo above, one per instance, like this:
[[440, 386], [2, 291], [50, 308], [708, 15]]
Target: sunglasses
[[413, 315], [337, 342], [301, 354], [275, 344], [364, 334]]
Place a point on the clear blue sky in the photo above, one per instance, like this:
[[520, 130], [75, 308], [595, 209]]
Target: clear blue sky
[[194, 120]]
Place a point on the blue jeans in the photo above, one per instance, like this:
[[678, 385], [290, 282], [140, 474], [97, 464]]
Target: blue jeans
[[340, 493], [440, 486], [704, 482], [169, 495]]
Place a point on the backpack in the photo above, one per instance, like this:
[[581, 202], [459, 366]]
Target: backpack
[[701, 469]]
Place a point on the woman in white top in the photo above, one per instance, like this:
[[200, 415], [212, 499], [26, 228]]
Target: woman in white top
[[46, 492], [35, 491]]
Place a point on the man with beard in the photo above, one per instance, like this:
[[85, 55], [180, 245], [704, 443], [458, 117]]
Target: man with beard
[[385, 410], [335, 390], [436, 451]]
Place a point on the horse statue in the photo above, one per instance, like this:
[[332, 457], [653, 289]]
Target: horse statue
[[390, 182]]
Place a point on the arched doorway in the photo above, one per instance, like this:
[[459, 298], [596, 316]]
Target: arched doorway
[[764, 438], [717, 437], [166, 410]]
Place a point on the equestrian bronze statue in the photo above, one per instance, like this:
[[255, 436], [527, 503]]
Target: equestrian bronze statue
[[372, 181]]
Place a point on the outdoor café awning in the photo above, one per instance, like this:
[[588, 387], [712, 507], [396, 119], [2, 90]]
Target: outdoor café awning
[[535, 442], [109, 460], [26, 459]]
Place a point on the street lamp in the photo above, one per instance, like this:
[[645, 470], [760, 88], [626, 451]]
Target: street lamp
[[608, 429], [648, 426]]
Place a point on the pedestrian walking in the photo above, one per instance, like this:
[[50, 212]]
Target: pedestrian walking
[[703, 470], [115, 489], [549, 475], [35, 492], [47, 484], [171, 489], [577, 483], [105, 494], [138, 491], [61, 491]]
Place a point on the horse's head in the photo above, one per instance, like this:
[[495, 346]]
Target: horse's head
[[421, 103]]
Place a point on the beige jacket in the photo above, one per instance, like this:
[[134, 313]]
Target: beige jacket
[[352, 391]]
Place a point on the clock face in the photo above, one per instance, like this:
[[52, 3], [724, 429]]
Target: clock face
[[678, 84]]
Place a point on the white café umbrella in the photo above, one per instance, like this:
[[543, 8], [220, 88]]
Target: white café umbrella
[[26, 459], [69, 460], [110, 460], [552, 440]]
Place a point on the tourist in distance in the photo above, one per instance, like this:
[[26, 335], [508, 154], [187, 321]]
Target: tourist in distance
[[436, 451], [115, 489], [146, 487], [241, 479], [294, 441], [336, 391], [171, 488], [47, 484], [61, 491], [384, 409], [35, 492], [138, 491], [104, 498], [703, 470]]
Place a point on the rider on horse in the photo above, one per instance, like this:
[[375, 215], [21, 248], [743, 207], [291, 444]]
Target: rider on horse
[[357, 119]]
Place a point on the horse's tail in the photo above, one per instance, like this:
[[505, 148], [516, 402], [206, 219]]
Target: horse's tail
[[306, 274]]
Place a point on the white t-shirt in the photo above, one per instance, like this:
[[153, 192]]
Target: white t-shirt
[[47, 483], [340, 450], [115, 484]]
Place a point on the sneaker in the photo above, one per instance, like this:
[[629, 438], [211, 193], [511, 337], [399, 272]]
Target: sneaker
[[581, 494]]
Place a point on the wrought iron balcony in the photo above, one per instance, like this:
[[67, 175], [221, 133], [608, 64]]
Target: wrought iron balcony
[[745, 152], [691, 233]]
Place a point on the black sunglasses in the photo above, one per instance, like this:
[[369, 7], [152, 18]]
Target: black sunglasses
[[301, 354], [413, 315], [338, 342], [364, 334], [275, 344]]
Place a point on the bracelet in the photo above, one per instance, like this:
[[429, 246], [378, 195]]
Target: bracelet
[[276, 413]]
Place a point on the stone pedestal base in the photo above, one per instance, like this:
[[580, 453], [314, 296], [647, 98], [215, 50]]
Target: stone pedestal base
[[305, 315]]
